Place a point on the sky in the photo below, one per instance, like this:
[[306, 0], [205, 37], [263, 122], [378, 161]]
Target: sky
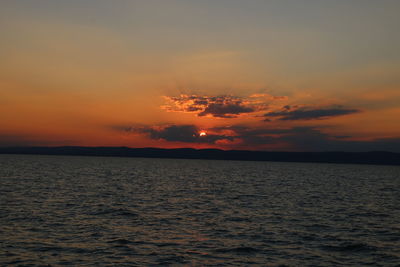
[[285, 75]]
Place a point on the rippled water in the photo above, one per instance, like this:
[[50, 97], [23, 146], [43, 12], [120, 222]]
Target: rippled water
[[145, 212]]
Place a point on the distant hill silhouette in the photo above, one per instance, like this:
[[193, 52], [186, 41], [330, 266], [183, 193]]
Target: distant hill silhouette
[[375, 157]]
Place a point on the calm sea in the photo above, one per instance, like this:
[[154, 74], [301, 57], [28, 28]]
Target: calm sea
[[93, 211]]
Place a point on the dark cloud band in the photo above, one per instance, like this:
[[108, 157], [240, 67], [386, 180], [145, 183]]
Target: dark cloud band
[[176, 133], [305, 138], [310, 113]]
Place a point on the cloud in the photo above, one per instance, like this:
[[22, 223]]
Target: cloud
[[225, 110], [312, 139], [223, 106], [176, 133], [229, 106], [180, 133], [305, 138], [251, 136], [308, 139], [309, 113]]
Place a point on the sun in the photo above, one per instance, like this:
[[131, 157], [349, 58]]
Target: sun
[[202, 133]]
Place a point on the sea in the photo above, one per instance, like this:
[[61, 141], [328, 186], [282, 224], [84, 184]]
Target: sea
[[110, 211]]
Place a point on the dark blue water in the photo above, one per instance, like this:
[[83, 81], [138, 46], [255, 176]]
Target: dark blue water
[[91, 211]]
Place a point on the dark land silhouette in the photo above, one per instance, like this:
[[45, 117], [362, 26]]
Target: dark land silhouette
[[373, 157]]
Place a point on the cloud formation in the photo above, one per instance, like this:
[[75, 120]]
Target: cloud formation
[[225, 110], [229, 106], [176, 133], [308, 139], [305, 138], [309, 113], [223, 106]]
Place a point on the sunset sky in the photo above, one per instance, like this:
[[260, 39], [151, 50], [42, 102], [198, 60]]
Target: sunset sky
[[291, 75]]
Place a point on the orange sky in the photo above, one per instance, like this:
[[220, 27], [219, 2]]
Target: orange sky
[[265, 75]]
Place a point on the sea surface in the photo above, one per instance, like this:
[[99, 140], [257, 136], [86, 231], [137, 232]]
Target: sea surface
[[94, 211]]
